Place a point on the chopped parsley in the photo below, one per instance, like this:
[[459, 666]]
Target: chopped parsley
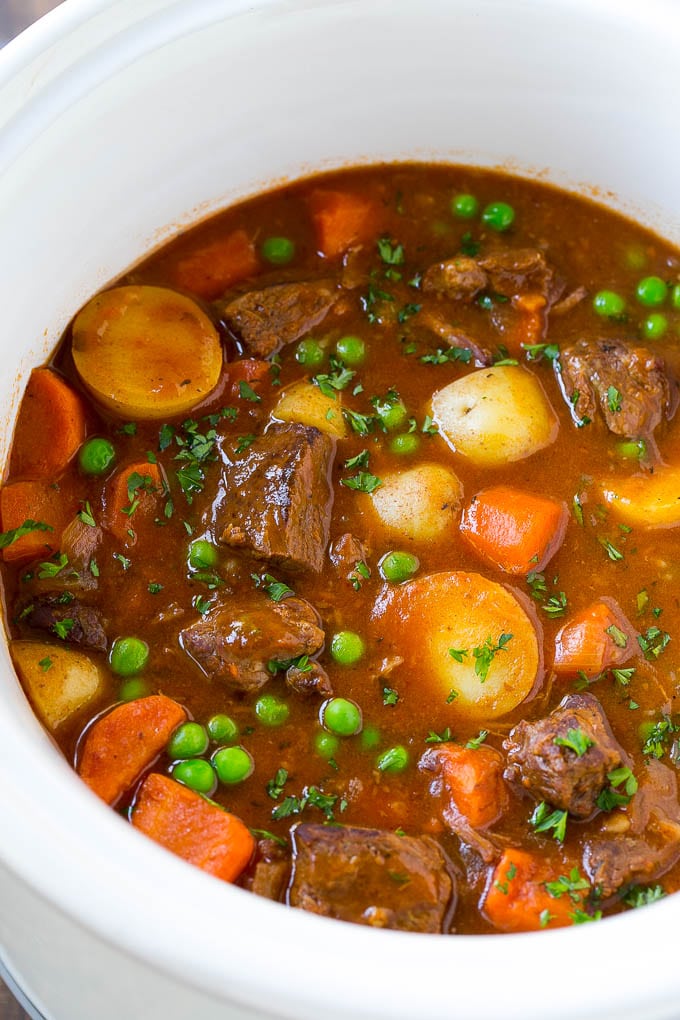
[[311, 796], [576, 740], [244, 442], [439, 738], [45, 663], [614, 399], [391, 253], [390, 696], [246, 392], [545, 820], [444, 356], [476, 742], [276, 590], [642, 896], [62, 628], [338, 378], [275, 786], [14, 534], [485, 654], [658, 736], [535, 352], [54, 567], [360, 461], [616, 634], [653, 642], [572, 885], [363, 481], [612, 552], [86, 516], [611, 797]]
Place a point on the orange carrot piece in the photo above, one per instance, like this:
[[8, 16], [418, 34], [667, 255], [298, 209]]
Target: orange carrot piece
[[515, 531], [125, 741], [34, 501], [51, 426], [516, 898], [593, 640], [473, 779], [341, 219], [248, 370], [193, 828], [125, 503], [211, 270]]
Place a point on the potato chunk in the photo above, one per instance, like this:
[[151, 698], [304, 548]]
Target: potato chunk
[[58, 680], [495, 415], [650, 500], [419, 504], [459, 632], [305, 403]]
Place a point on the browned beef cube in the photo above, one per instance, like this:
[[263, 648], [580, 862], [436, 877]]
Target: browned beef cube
[[347, 553], [275, 500], [509, 273], [267, 319], [235, 640], [457, 278], [553, 771], [630, 385], [61, 613], [309, 679], [372, 877]]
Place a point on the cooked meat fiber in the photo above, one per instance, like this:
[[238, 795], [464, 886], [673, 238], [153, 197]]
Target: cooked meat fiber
[[309, 679], [630, 385], [541, 764], [61, 613], [267, 319], [508, 273], [235, 640], [372, 877], [275, 501]]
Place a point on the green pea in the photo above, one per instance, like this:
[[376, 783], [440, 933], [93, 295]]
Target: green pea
[[632, 449], [391, 412], [202, 555], [341, 716], [498, 216], [654, 326], [190, 740], [271, 711], [128, 656], [405, 444], [609, 304], [326, 744], [133, 689], [636, 257], [675, 296], [651, 291], [196, 773], [96, 456], [309, 352], [465, 207], [278, 250], [351, 349], [222, 728], [394, 759], [233, 764], [370, 738], [347, 648], [398, 566]]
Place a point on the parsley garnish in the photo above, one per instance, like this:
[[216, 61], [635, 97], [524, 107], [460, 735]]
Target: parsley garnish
[[246, 392], [653, 642], [14, 534], [86, 516], [476, 742], [276, 590], [363, 481], [458, 653], [573, 885], [337, 379], [614, 399], [154, 588], [360, 461], [439, 738], [543, 820], [642, 896], [611, 798], [576, 740], [444, 356], [405, 313], [537, 351], [659, 736], [244, 442], [62, 628], [360, 423], [485, 654], [617, 635], [311, 797], [392, 254], [45, 663], [123, 560], [275, 786], [612, 552], [53, 568]]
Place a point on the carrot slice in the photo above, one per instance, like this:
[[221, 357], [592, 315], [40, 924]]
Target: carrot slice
[[473, 779], [124, 742], [193, 828], [516, 898], [133, 492], [255, 373], [211, 270], [513, 530], [593, 640], [50, 427], [341, 219], [40, 502]]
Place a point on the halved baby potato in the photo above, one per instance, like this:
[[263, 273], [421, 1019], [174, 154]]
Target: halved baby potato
[[305, 403], [419, 504], [465, 640], [650, 501], [59, 680], [146, 352], [495, 415]]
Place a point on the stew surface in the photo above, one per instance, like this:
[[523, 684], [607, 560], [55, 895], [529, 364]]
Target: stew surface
[[340, 550]]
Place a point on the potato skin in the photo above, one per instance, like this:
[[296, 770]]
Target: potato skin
[[495, 415], [419, 504], [305, 403]]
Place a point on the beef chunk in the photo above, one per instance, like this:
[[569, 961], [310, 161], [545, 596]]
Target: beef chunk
[[61, 613], [459, 278], [267, 319], [510, 273], [630, 385], [235, 640], [346, 554], [372, 877], [310, 679], [271, 870], [275, 500], [556, 773], [456, 338]]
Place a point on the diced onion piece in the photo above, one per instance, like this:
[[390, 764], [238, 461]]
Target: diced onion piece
[[495, 415], [146, 352], [651, 500], [448, 627], [59, 680], [419, 504], [305, 403]]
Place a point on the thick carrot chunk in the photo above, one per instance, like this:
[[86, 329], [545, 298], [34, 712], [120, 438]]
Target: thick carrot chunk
[[211, 270], [38, 502], [341, 219], [191, 827], [134, 492], [472, 778], [516, 898], [514, 530], [50, 428], [120, 745], [593, 640]]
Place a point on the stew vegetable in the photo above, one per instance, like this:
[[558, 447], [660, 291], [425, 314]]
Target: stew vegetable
[[341, 551]]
